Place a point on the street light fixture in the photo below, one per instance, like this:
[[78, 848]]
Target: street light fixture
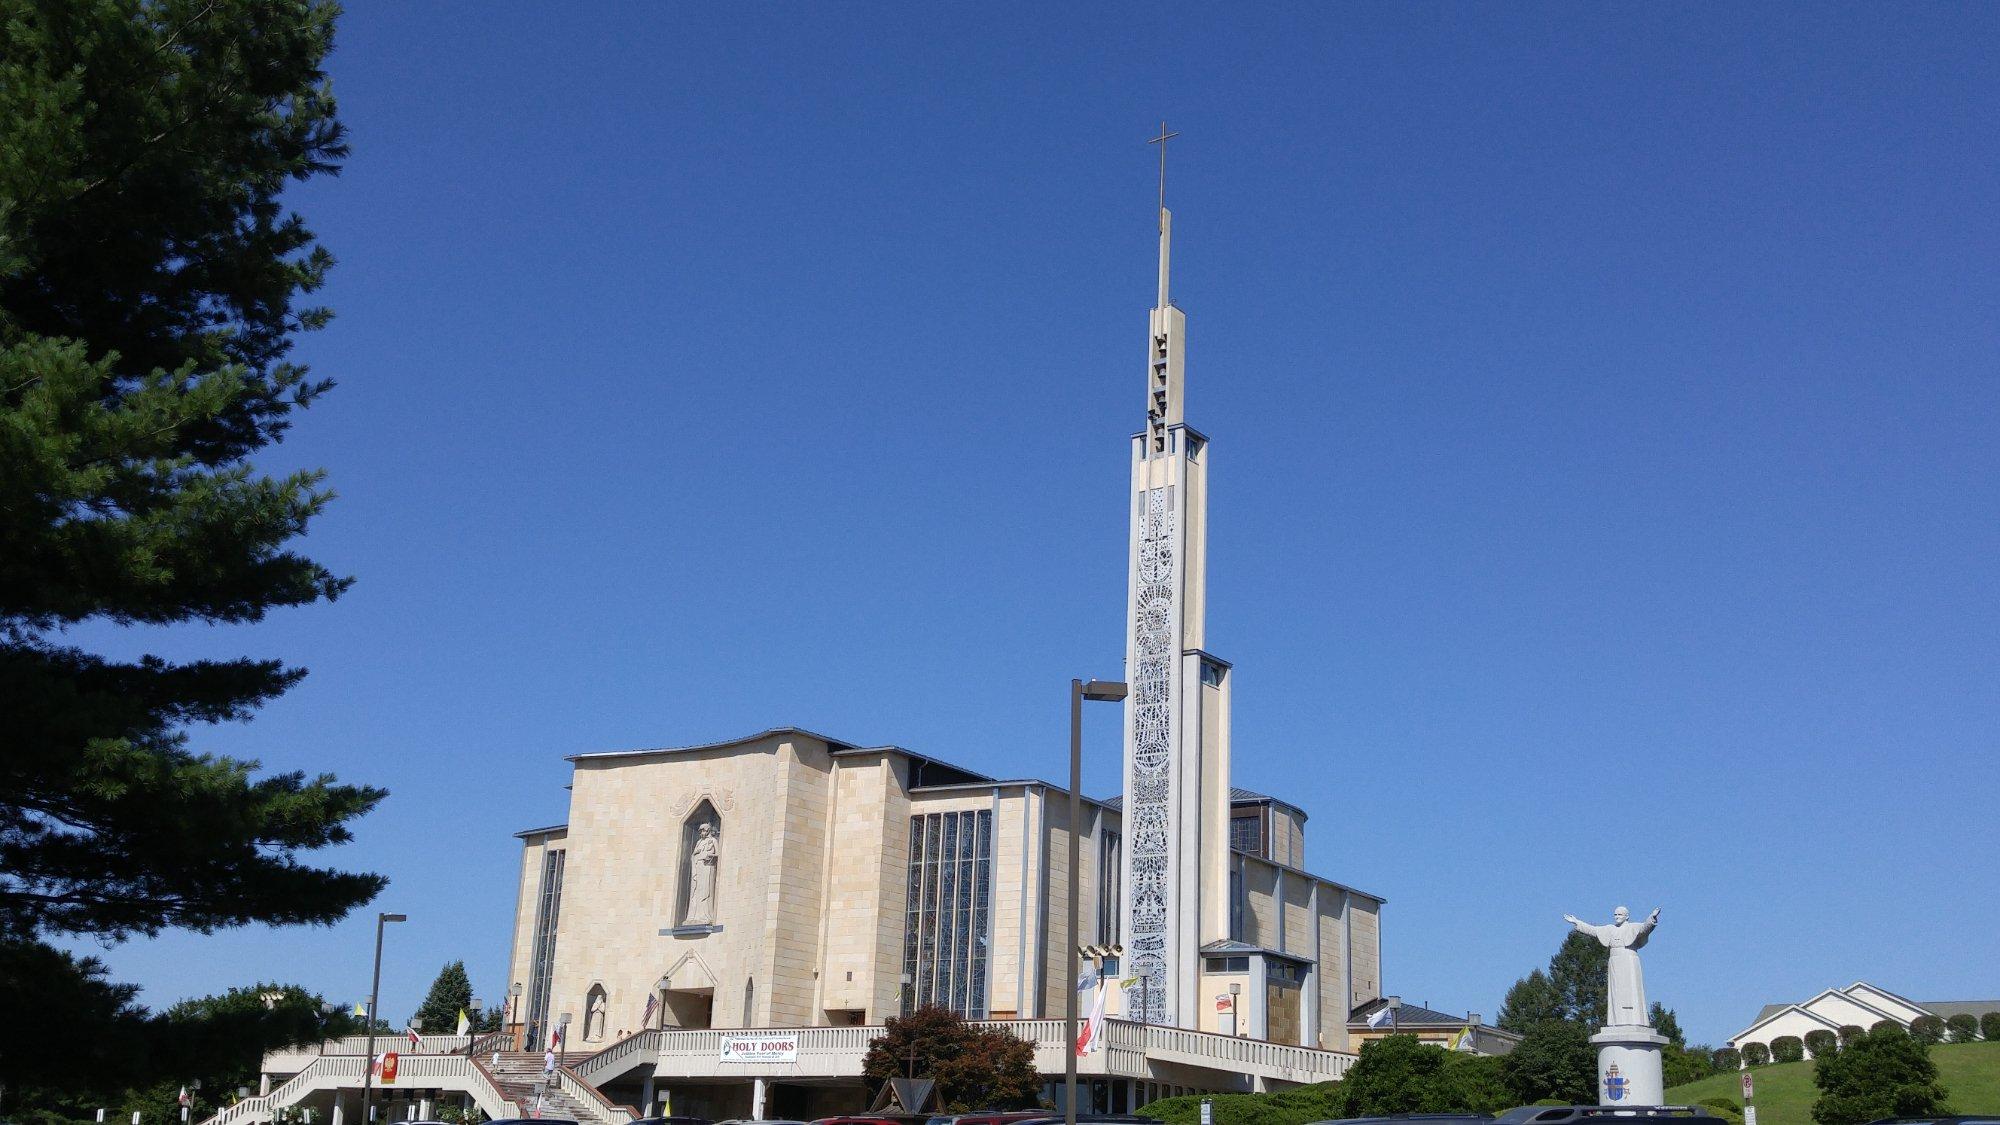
[[1108, 691], [374, 997], [660, 1011]]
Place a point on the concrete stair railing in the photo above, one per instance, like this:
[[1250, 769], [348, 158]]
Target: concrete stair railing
[[445, 1073], [561, 1093]]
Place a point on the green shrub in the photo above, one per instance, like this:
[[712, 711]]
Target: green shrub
[[1880, 1024], [1882, 1074], [1787, 1048], [1726, 1108], [1849, 1033], [1756, 1054], [1963, 1027], [1989, 1027], [1320, 1101], [1821, 1043], [1728, 1058], [1927, 1030]]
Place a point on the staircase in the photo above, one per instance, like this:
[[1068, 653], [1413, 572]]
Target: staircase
[[521, 1080]]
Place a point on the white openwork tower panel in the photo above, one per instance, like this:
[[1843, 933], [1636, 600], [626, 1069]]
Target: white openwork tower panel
[[1176, 758]]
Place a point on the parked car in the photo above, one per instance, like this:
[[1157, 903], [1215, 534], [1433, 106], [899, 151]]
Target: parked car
[[1092, 1119], [533, 1121], [1414, 1119], [1595, 1114], [679, 1119], [988, 1117], [1961, 1119]]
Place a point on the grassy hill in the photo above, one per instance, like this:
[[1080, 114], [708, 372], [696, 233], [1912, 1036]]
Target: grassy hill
[[1969, 1072]]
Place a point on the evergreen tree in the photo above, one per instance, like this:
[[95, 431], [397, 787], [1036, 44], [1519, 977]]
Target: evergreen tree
[[1532, 1000], [1666, 1023], [450, 994], [1577, 972], [149, 294]]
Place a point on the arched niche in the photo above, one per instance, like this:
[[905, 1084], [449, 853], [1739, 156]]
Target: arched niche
[[701, 865]]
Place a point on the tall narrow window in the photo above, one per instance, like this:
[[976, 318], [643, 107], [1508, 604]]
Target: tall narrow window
[[1110, 884], [1236, 903], [946, 926], [750, 1002], [541, 967]]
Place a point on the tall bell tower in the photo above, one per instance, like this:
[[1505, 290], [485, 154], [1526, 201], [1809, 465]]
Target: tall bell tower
[[1176, 817]]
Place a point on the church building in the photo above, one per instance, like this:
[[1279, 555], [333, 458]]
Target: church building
[[784, 892]]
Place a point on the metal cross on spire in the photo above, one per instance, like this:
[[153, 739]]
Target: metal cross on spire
[[1162, 140]]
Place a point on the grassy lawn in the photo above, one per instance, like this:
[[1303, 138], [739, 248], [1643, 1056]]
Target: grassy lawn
[[1969, 1072]]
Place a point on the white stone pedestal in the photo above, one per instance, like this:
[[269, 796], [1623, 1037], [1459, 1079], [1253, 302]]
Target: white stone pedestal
[[1628, 1066]]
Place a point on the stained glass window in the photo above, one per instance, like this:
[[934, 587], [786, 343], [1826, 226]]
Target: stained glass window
[[947, 923]]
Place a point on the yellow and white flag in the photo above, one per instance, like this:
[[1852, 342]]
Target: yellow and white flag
[[464, 1025]]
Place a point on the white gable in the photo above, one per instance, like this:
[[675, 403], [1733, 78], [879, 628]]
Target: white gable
[[1898, 1009], [1842, 1008], [1789, 1020]]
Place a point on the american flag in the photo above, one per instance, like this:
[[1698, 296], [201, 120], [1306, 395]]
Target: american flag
[[652, 1005]]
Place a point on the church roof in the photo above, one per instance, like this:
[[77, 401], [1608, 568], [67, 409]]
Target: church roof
[[1237, 796], [1409, 1015], [1231, 945], [833, 744], [1943, 1009], [1003, 783]]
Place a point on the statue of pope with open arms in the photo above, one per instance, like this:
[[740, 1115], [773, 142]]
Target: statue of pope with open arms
[[1625, 985]]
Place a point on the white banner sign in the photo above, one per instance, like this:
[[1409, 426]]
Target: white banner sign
[[760, 1048]]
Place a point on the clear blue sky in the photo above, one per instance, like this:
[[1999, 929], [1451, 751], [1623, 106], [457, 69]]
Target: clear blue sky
[[1606, 495]]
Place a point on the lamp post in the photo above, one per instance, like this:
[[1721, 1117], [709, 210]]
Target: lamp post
[[513, 1007], [562, 1036], [472, 1027], [660, 1013], [1110, 691], [374, 997]]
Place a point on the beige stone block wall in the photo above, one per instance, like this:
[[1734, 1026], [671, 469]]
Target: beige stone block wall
[[1013, 915], [1367, 983], [527, 897], [1260, 908], [1288, 837], [1298, 916], [1053, 940], [1334, 987], [854, 869], [623, 873], [794, 888], [887, 989], [1056, 936]]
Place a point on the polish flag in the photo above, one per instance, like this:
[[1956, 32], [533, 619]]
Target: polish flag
[[1090, 1037]]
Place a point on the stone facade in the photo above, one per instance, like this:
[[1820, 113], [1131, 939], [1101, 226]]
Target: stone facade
[[812, 897]]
